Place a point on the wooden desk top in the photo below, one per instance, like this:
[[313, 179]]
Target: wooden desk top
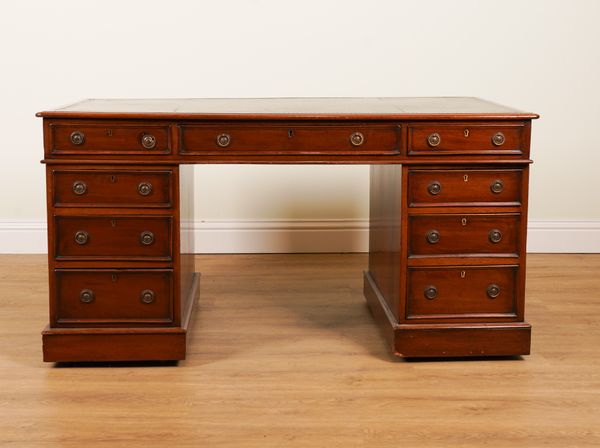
[[426, 108]]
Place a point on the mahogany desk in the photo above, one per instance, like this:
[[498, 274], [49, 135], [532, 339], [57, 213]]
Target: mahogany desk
[[448, 215]]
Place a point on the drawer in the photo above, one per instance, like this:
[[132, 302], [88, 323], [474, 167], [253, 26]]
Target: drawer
[[464, 186], [113, 296], [114, 237], [464, 234], [464, 139], [290, 139], [461, 292], [112, 188], [109, 138]]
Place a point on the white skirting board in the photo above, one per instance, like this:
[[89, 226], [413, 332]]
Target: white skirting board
[[303, 236]]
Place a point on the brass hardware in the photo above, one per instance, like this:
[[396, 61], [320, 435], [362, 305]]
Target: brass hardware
[[430, 292], [466, 132], [357, 138], [495, 236], [223, 140], [145, 188], [146, 238], [87, 295], [147, 296], [434, 139], [148, 141], [433, 236], [434, 188], [290, 133], [466, 178], [79, 187], [493, 291], [109, 132], [463, 274], [497, 186], [463, 221], [82, 237], [498, 139], [77, 137]]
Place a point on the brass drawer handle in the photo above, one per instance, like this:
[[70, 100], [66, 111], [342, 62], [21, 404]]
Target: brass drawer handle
[[145, 188], [495, 236], [497, 186], [146, 238], [498, 139], [434, 188], [148, 141], [357, 138], [79, 187], [493, 291], [147, 296], [430, 292], [77, 138], [433, 236], [434, 139], [223, 140], [81, 237], [87, 296]]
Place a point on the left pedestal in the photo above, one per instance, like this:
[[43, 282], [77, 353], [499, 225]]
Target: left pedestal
[[121, 269]]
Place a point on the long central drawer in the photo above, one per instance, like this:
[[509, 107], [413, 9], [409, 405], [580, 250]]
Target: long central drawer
[[289, 139]]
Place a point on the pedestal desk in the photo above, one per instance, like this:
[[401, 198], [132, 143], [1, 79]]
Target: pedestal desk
[[448, 215]]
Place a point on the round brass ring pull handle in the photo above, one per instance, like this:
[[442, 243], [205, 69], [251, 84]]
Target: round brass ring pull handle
[[86, 296], [81, 237], [433, 236], [434, 188], [148, 141], [147, 296], [498, 139], [77, 137], [434, 139], [497, 186], [357, 138], [493, 291], [430, 292], [146, 238], [145, 188], [223, 140], [79, 187], [495, 236]]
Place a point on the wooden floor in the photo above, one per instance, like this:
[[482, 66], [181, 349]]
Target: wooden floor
[[285, 353]]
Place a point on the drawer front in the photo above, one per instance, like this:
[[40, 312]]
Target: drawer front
[[110, 139], [463, 187], [113, 296], [290, 139], [114, 237], [463, 234], [112, 188], [464, 139], [460, 292]]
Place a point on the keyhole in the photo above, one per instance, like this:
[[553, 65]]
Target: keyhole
[[113, 179], [113, 222], [462, 274], [463, 221], [290, 133], [113, 277], [466, 133], [109, 132], [466, 178]]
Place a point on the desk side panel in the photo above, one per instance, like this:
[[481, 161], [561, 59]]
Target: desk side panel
[[385, 231], [186, 239]]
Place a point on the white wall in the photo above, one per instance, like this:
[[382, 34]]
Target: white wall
[[541, 56]]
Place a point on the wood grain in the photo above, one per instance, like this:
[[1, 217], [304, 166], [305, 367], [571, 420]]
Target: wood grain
[[284, 353]]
